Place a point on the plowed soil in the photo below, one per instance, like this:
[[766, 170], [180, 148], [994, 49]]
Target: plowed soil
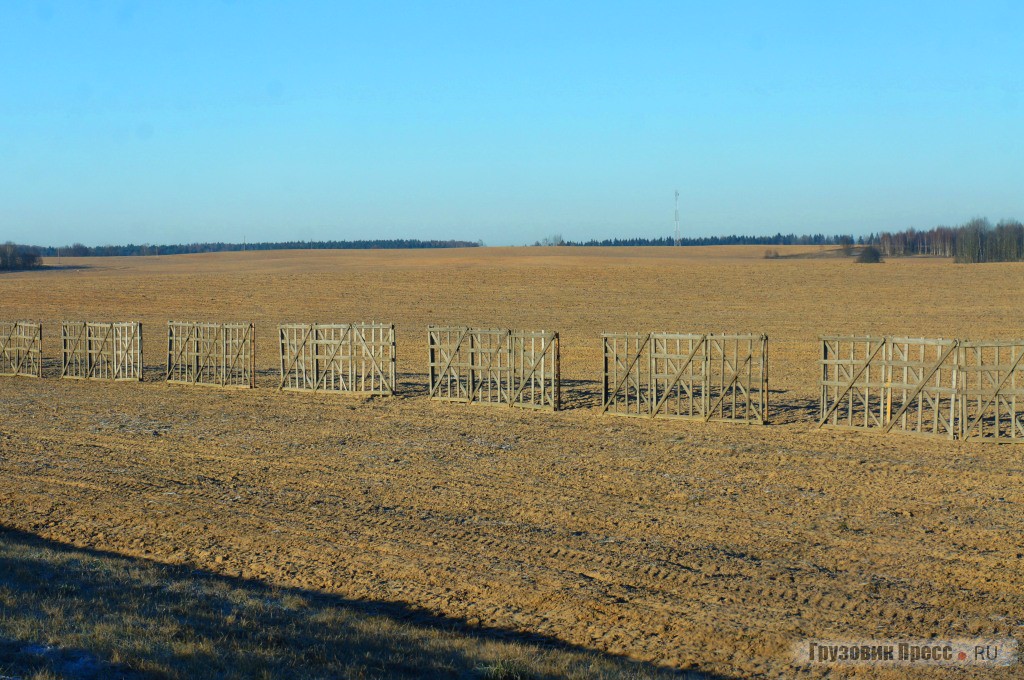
[[706, 546]]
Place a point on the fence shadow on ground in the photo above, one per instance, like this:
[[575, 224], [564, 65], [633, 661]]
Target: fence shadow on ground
[[576, 394], [786, 408], [83, 613], [581, 394]]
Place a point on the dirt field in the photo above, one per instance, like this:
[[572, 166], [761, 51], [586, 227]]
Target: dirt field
[[709, 547]]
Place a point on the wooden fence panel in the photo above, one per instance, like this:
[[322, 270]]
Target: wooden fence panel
[[21, 348], [495, 366], [737, 378], [450, 363], [853, 382], [535, 377], [222, 354], [991, 391], [902, 384], [921, 386], [679, 376], [683, 375], [626, 377], [490, 370], [101, 351], [338, 358], [953, 389]]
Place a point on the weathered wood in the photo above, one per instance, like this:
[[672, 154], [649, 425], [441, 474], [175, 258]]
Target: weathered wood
[[533, 377], [926, 400], [21, 352], [730, 387], [221, 354], [699, 346], [641, 341], [991, 391], [357, 357], [101, 351], [692, 376], [627, 381], [730, 395], [953, 389], [495, 366], [443, 349], [488, 374], [852, 388]]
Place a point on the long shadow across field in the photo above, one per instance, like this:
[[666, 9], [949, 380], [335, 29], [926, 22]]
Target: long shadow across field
[[84, 613]]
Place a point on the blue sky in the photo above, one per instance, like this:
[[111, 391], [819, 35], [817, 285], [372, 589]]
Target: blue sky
[[167, 122]]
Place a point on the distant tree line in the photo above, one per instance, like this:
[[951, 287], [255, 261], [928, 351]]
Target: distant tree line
[[79, 250], [14, 257], [776, 240], [975, 241]]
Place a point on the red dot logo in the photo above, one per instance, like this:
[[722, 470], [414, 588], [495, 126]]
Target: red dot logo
[[962, 656]]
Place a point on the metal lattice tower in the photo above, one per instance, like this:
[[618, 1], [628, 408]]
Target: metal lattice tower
[[679, 235]]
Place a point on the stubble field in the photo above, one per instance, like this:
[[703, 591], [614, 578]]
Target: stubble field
[[681, 545]]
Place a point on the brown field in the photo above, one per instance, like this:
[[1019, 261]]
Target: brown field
[[679, 545]]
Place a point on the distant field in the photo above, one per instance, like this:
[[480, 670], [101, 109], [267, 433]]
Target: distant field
[[580, 292], [707, 547]]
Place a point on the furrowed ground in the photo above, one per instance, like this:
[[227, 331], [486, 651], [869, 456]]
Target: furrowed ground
[[708, 547]]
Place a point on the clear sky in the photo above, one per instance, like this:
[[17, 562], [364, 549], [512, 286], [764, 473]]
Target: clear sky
[[167, 122]]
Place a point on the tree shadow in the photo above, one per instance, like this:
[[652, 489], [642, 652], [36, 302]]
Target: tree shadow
[[85, 613]]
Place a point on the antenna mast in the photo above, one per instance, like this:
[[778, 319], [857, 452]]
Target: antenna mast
[[679, 235]]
